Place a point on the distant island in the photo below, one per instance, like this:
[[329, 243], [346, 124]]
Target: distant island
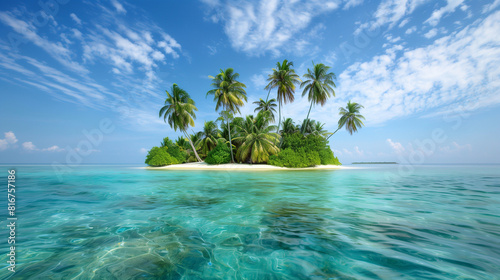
[[376, 162]]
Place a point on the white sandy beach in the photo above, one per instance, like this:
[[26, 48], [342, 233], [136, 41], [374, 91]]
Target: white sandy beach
[[239, 166]]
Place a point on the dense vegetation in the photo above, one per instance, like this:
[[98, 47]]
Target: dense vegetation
[[255, 138], [219, 155], [168, 153], [299, 150]]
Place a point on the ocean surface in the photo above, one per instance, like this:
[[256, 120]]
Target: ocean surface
[[379, 222]]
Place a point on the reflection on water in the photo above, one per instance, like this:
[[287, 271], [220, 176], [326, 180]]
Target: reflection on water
[[122, 223]]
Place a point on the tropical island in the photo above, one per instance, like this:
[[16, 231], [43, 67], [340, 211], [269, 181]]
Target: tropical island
[[254, 140]]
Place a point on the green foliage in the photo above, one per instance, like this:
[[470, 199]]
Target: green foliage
[[326, 156], [256, 139], [298, 159], [160, 157], [220, 154], [303, 151], [166, 142], [174, 150], [168, 153]]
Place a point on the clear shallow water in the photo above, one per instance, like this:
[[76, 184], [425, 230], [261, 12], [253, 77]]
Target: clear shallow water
[[112, 222]]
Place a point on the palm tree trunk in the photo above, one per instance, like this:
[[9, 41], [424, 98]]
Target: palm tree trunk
[[307, 119], [279, 121], [333, 133], [230, 143], [267, 98], [192, 146]]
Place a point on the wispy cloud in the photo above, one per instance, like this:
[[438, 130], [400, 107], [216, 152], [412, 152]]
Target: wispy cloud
[[438, 14], [118, 6], [490, 7], [390, 12], [75, 19], [455, 68], [265, 26], [130, 51]]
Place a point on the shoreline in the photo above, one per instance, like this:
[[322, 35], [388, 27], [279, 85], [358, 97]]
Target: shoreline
[[241, 166]]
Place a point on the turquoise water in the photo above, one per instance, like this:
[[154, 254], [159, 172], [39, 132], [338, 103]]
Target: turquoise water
[[119, 222]]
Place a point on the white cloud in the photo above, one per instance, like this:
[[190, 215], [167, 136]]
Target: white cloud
[[490, 7], [390, 12], [8, 140], [392, 39], [53, 149], [438, 14], [411, 30], [352, 3], [29, 146], [404, 22], [75, 18], [396, 146], [29, 32], [432, 33], [266, 26], [457, 69], [143, 150], [358, 151], [118, 6]]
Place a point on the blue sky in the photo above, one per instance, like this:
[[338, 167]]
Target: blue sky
[[427, 73]]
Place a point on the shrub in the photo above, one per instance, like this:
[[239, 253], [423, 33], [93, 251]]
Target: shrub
[[220, 154], [295, 158], [303, 151], [174, 150], [159, 157]]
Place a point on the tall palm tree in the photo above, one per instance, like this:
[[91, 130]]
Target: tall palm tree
[[318, 86], [258, 142], [266, 106], [288, 127], [179, 110], [350, 118], [284, 80], [228, 94], [209, 136]]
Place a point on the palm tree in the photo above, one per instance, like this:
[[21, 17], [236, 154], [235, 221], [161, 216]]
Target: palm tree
[[258, 142], [288, 127], [318, 129], [179, 110], [182, 142], [284, 79], [228, 94], [209, 136], [318, 86], [350, 117], [266, 106]]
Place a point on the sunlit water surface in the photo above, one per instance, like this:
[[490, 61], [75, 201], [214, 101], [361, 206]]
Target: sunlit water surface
[[119, 222]]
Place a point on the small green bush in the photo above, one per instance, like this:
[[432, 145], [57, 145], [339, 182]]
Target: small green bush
[[160, 157], [219, 155], [297, 159]]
